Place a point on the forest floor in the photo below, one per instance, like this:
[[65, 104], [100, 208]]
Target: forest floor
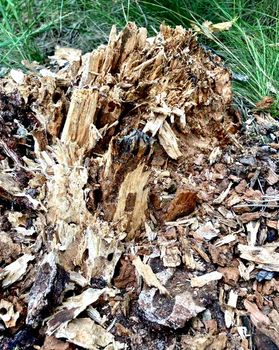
[[139, 209]]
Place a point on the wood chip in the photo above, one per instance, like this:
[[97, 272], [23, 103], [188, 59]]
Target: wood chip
[[230, 311], [168, 140], [14, 272], [7, 313], [86, 333], [183, 204], [226, 240], [247, 217], [252, 228], [208, 231], [223, 195], [72, 307], [272, 177], [148, 275], [265, 256], [200, 281], [17, 75]]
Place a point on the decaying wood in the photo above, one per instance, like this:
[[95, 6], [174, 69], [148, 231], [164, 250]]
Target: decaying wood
[[133, 189], [14, 271], [8, 315], [204, 279], [149, 277], [265, 256], [122, 212]]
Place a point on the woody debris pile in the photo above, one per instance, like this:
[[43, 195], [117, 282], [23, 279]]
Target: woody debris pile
[[138, 209]]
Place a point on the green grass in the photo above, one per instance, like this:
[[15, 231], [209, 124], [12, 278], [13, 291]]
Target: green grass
[[249, 48], [30, 30]]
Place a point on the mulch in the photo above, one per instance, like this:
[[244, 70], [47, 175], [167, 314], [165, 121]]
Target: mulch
[[139, 207]]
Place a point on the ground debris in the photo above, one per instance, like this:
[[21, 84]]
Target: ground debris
[[265, 324], [177, 308], [7, 314], [204, 342], [52, 343], [14, 271], [86, 333], [200, 281], [46, 291], [183, 204], [264, 256], [72, 307], [135, 211], [147, 274]]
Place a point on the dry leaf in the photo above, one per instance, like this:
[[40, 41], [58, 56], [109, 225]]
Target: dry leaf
[[207, 27]]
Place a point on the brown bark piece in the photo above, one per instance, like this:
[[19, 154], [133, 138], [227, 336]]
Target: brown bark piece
[[272, 177], [230, 274], [221, 255], [183, 203], [247, 217], [127, 277], [52, 343], [8, 249]]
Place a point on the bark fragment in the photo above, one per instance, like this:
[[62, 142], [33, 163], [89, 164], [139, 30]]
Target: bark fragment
[[46, 291]]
